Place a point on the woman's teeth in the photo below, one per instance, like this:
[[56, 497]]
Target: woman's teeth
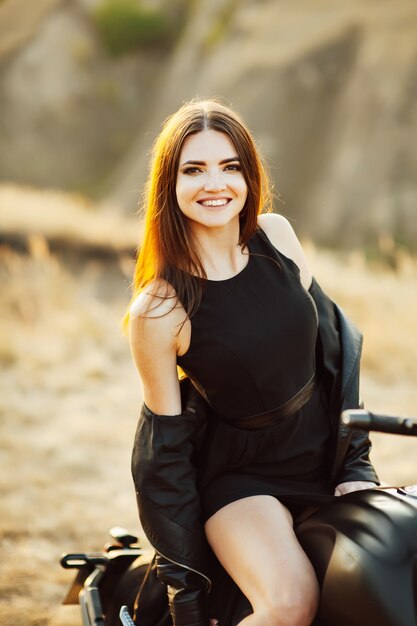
[[219, 202]]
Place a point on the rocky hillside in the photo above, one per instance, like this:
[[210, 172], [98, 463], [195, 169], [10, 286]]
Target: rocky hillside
[[69, 108], [329, 90]]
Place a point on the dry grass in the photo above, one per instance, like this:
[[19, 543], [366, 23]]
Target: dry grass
[[65, 218], [68, 401], [69, 397]]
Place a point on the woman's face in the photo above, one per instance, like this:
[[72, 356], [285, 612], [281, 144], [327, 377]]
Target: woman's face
[[211, 190]]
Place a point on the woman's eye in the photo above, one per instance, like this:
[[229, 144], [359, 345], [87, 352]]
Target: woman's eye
[[191, 170], [231, 167]]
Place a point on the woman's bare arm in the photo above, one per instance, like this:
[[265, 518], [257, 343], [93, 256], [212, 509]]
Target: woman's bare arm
[[154, 339]]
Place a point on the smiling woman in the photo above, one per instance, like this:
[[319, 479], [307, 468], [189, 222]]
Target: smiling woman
[[211, 193], [233, 454], [170, 251]]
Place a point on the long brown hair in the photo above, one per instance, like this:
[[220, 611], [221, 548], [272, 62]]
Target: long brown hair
[[167, 250]]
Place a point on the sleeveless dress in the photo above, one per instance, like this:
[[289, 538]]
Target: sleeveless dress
[[252, 350]]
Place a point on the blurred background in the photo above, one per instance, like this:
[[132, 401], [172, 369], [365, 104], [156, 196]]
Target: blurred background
[[329, 90]]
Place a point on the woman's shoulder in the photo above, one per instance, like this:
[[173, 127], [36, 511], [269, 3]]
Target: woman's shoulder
[[276, 227], [282, 236], [155, 318], [158, 299], [156, 314]]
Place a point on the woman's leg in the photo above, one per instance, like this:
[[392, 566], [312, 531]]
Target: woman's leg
[[253, 538]]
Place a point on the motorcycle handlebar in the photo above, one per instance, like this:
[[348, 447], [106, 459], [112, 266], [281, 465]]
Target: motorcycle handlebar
[[365, 420], [76, 561]]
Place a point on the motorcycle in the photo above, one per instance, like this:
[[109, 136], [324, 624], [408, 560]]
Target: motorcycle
[[363, 547], [106, 581]]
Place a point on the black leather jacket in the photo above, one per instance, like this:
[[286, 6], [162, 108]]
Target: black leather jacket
[[164, 471]]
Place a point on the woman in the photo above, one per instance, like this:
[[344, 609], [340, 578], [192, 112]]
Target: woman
[[223, 291]]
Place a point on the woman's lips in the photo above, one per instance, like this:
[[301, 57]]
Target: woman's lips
[[214, 202]]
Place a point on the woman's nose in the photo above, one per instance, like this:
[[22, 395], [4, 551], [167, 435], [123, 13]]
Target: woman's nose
[[214, 182]]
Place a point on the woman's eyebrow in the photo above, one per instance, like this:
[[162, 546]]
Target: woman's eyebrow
[[222, 162]]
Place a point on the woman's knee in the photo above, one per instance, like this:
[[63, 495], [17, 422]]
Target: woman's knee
[[297, 608], [276, 575]]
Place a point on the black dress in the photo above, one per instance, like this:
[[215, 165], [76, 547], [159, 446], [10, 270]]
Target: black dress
[[252, 350]]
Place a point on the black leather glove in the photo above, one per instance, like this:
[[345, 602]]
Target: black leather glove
[[186, 593]]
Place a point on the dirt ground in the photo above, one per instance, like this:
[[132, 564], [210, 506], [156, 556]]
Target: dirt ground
[[69, 400]]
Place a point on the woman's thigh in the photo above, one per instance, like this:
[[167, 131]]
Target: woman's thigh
[[254, 540]]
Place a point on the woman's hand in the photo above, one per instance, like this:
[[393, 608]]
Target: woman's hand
[[353, 485]]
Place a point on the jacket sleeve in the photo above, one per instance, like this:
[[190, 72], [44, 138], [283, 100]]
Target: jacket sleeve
[[164, 474], [339, 352], [356, 464], [186, 593]]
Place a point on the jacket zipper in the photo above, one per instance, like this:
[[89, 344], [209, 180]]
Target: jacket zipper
[[186, 567]]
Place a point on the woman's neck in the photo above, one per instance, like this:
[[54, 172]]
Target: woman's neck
[[220, 252]]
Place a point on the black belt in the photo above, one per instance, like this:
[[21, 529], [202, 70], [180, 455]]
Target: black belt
[[262, 420]]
